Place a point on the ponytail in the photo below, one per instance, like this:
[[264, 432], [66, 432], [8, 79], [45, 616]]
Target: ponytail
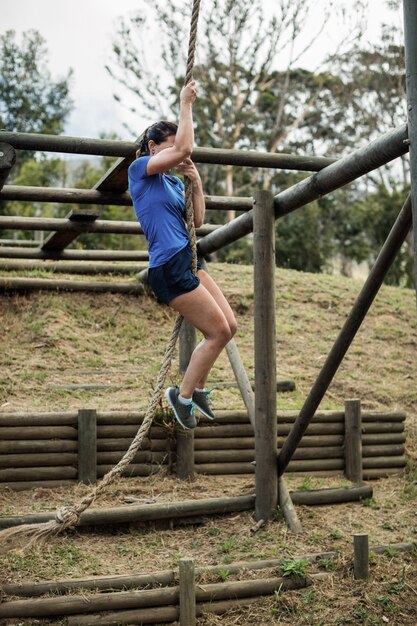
[[158, 132]]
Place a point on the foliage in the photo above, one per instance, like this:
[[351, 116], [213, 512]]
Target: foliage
[[295, 567], [30, 100]]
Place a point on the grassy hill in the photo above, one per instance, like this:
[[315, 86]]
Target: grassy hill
[[68, 350], [74, 350]]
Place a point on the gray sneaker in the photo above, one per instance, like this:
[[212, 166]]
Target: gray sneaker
[[183, 412], [202, 401]]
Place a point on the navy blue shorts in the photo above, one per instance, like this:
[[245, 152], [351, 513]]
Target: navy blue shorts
[[174, 278]]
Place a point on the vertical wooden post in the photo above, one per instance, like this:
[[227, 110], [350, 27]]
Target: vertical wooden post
[[361, 557], [410, 49], [266, 479], [87, 446], [7, 160], [187, 593], [185, 438], [353, 441]]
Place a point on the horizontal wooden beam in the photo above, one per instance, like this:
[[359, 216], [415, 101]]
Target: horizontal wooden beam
[[68, 267], [13, 222], [27, 193], [109, 147], [74, 255], [50, 284]]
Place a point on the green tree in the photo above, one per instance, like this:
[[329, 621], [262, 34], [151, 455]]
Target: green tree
[[30, 99]]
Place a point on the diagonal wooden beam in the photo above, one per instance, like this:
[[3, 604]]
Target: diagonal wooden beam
[[347, 334], [61, 239]]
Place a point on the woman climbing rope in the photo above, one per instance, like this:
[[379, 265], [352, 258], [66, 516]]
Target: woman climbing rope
[[158, 200]]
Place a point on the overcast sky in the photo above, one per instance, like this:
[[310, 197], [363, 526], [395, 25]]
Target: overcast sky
[[78, 34]]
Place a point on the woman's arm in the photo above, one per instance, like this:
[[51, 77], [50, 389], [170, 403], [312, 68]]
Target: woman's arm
[[184, 139], [188, 168]]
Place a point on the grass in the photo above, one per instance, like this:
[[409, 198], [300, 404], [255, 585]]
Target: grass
[[56, 342]]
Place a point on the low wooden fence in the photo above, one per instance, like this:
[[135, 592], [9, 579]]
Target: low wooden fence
[[52, 449]]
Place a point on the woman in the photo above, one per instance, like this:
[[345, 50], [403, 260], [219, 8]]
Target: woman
[[158, 200]]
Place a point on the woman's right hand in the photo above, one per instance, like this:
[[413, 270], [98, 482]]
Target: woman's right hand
[[189, 93]]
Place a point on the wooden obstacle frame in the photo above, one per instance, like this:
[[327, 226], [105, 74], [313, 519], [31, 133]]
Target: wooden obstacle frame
[[259, 214]]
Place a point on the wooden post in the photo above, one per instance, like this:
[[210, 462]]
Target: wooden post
[[187, 593], [7, 160], [410, 49], [266, 479], [361, 556], [284, 497], [353, 441], [185, 438], [87, 446]]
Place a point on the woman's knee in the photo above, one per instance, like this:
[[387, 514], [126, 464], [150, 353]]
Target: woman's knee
[[222, 333], [232, 327]]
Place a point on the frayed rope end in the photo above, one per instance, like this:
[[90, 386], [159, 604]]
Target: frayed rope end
[[26, 536]]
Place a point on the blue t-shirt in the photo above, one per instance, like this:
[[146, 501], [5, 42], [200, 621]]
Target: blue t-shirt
[[158, 201]]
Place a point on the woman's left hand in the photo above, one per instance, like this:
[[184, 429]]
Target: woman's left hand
[[188, 168]]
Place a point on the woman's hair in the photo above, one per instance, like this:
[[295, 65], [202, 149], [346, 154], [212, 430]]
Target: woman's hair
[[158, 132]]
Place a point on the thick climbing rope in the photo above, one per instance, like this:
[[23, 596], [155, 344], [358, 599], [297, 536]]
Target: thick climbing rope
[[69, 516]]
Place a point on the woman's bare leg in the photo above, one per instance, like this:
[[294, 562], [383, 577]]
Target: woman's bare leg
[[212, 287], [200, 308]]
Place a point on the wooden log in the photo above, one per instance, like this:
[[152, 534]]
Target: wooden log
[[66, 267], [184, 439], [34, 446], [54, 459], [242, 380], [353, 441], [117, 445], [266, 479], [384, 461], [142, 456], [40, 432], [223, 416], [398, 547], [52, 284], [37, 473], [385, 450], [286, 504], [145, 581], [381, 472], [113, 147], [127, 431], [187, 592], [361, 556], [75, 255], [410, 50], [38, 419], [87, 446], [67, 605], [133, 514], [332, 496]]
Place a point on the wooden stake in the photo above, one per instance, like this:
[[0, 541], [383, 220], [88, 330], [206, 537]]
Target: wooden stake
[[187, 593], [361, 556], [87, 446], [353, 441]]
